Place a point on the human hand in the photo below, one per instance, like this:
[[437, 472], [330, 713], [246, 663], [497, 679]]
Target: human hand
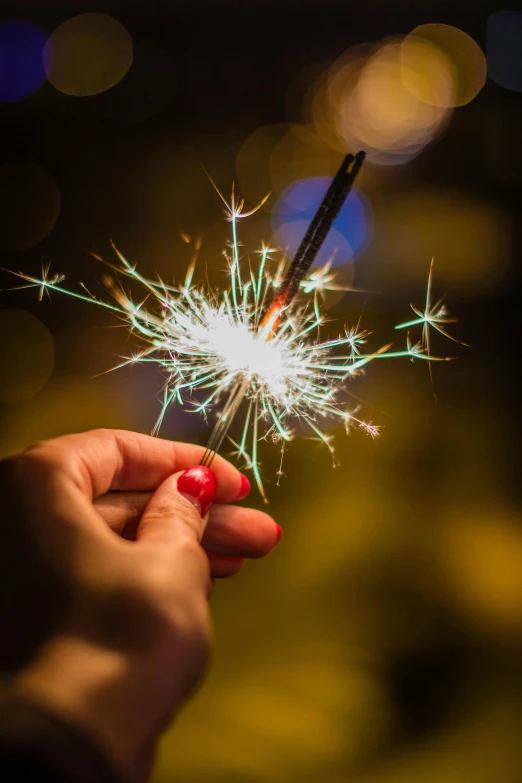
[[105, 579]]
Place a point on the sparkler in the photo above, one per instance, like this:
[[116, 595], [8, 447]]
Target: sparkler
[[257, 341], [283, 298]]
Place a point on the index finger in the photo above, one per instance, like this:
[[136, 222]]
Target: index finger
[[103, 460]]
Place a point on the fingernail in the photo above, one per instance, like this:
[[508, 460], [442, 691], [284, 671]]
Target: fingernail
[[244, 489], [198, 485], [279, 532]]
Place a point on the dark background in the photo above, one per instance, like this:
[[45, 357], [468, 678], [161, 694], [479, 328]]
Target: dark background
[[382, 641]]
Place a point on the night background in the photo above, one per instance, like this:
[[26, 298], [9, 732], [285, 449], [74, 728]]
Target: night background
[[382, 641]]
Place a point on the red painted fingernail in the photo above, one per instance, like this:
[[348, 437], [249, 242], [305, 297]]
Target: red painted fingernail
[[244, 489], [198, 485], [279, 532]]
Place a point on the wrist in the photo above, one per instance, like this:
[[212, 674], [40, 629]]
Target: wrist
[[91, 688]]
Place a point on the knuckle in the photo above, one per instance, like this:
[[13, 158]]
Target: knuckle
[[102, 432], [17, 471], [189, 519], [180, 615], [41, 450], [189, 549], [192, 621], [162, 509]]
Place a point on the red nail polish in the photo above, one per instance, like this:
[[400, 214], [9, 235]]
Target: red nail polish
[[198, 485], [244, 489], [279, 532]]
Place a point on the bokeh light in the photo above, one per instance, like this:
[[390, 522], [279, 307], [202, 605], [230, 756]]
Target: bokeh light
[[145, 90], [336, 248], [88, 54], [385, 116], [300, 154], [466, 56], [29, 204], [427, 72], [322, 103], [483, 568], [21, 59], [504, 49], [352, 227], [394, 98], [381, 640], [363, 102], [64, 405], [468, 238], [253, 161], [26, 355]]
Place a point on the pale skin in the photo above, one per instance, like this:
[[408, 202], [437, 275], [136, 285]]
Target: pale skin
[[115, 567]]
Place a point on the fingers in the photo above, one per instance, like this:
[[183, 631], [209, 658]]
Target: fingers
[[103, 460], [171, 527], [242, 532], [230, 530], [173, 513], [122, 511], [223, 566]]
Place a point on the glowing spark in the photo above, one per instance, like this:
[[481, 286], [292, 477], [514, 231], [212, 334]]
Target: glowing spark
[[212, 345], [321, 279], [434, 316]]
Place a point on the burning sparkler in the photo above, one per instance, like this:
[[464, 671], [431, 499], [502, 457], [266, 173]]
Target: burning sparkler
[[256, 341]]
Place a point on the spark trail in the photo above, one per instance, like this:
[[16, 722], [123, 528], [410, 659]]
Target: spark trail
[[256, 343]]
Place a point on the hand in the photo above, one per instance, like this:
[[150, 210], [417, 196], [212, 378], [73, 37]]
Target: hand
[[105, 579]]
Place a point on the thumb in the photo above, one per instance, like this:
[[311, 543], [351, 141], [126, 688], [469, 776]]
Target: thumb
[[179, 506]]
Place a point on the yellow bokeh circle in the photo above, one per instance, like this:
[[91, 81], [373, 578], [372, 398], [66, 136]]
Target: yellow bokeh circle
[[253, 161], [300, 154], [445, 49], [88, 54], [385, 99]]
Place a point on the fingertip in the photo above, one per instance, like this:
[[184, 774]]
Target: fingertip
[[228, 480], [198, 485], [223, 566], [244, 488], [244, 532]]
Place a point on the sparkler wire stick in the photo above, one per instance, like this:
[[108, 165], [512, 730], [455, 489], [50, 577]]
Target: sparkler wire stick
[[305, 256], [317, 231]]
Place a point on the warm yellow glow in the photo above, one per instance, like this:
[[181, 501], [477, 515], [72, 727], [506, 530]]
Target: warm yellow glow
[[88, 54], [383, 115], [300, 154], [427, 72], [69, 404], [469, 238], [385, 99], [456, 47], [329, 93], [253, 161], [388, 115]]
